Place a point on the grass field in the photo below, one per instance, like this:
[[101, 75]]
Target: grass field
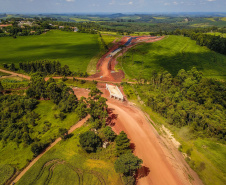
[[80, 20], [6, 171], [172, 54], [73, 49], [46, 129], [217, 34], [14, 82], [202, 150], [67, 163]]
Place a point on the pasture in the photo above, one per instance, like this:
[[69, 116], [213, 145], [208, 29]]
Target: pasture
[[67, 163], [72, 49], [172, 54]]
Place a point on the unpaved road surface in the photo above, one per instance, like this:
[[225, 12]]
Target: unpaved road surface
[[77, 125], [163, 164]]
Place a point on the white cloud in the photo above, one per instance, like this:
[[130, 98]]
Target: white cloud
[[166, 4], [211, 0], [175, 3], [70, 0], [130, 3]]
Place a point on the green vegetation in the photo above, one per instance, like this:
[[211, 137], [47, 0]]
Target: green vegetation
[[14, 83], [205, 151], [6, 172], [68, 163], [4, 74], [89, 141], [72, 49], [78, 83], [217, 34], [122, 144], [127, 164], [108, 39], [172, 54]]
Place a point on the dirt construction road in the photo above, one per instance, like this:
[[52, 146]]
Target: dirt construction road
[[163, 164], [157, 169]]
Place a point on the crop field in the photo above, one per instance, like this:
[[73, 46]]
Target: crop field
[[67, 163], [46, 129], [72, 49], [172, 54]]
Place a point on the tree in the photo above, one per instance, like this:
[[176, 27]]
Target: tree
[[63, 133], [109, 134], [122, 144], [127, 164], [89, 141], [37, 148]]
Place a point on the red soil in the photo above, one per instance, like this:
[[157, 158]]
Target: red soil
[[160, 165]]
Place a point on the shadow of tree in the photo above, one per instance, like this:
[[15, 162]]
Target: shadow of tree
[[142, 172], [111, 117]]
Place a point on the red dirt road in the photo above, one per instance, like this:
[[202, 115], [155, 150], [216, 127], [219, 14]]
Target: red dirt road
[[163, 164]]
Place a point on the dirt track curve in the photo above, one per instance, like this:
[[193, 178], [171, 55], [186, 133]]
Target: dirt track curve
[[77, 125]]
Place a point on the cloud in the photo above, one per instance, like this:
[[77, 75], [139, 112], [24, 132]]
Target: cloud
[[166, 4], [175, 3], [70, 0], [211, 0], [130, 3], [112, 2]]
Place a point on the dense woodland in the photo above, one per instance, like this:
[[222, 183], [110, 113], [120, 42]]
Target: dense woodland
[[188, 100]]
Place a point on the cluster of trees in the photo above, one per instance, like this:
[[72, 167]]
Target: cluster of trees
[[16, 114], [60, 94], [127, 163], [215, 43], [46, 67], [188, 100]]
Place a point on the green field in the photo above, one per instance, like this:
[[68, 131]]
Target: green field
[[73, 49], [80, 20], [172, 54], [67, 163], [6, 171], [18, 156], [217, 34]]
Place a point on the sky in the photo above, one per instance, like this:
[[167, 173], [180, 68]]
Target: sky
[[111, 6]]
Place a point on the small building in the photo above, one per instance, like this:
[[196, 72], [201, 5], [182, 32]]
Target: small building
[[114, 92], [75, 29], [61, 27]]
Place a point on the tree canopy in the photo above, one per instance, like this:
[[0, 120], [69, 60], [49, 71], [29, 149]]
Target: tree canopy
[[127, 164], [89, 141]]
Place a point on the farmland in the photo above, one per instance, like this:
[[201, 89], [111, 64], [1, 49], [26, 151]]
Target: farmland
[[172, 54], [71, 165], [46, 130], [72, 49]]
